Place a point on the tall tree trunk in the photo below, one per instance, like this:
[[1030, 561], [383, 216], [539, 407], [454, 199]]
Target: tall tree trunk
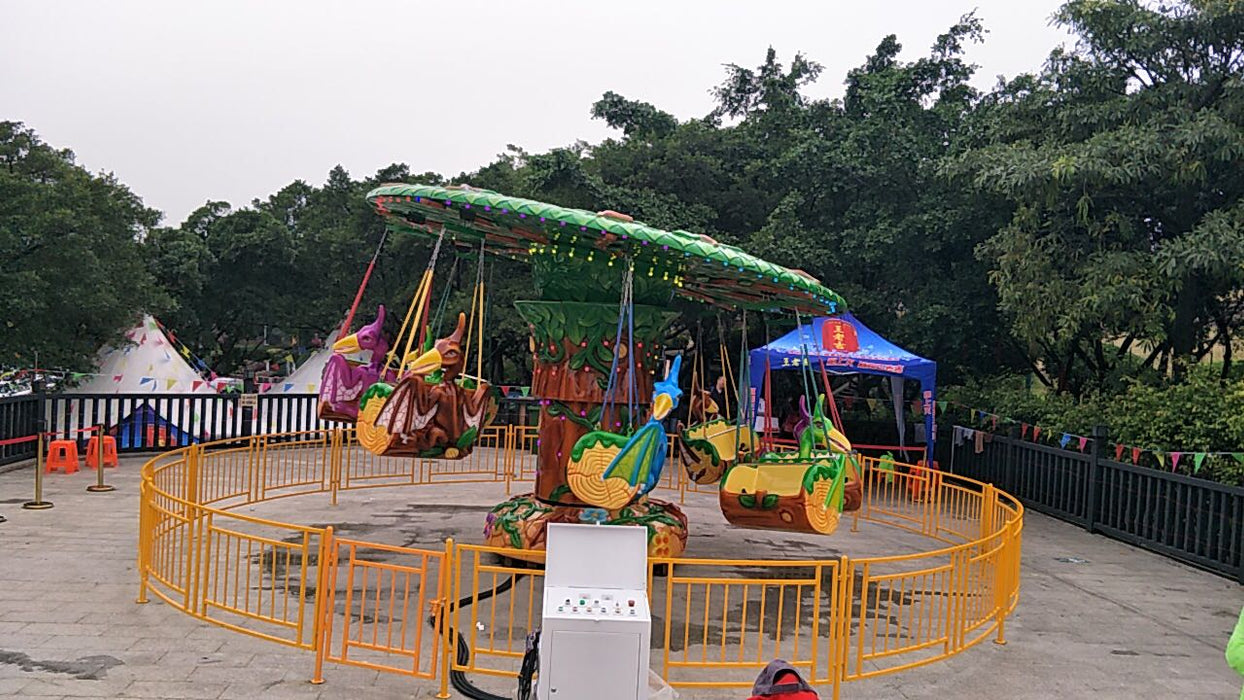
[[1183, 326]]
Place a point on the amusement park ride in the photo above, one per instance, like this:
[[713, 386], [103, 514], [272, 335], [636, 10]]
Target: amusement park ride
[[603, 284]]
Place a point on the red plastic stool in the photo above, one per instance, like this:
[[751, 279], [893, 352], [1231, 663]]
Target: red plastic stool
[[62, 454], [92, 452]]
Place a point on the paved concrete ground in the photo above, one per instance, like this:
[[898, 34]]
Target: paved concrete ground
[[1096, 618]]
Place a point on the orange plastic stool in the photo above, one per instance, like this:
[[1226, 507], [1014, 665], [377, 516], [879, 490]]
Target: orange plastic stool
[[92, 452], [63, 454]]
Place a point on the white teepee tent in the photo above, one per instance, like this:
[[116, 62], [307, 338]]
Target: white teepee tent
[[306, 378], [127, 394], [149, 363]]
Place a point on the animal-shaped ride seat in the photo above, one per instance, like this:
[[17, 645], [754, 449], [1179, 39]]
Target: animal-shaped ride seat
[[433, 411]]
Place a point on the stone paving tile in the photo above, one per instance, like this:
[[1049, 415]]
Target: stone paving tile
[[1126, 623]]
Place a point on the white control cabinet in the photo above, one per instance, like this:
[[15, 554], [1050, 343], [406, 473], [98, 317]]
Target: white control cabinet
[[597, 625]]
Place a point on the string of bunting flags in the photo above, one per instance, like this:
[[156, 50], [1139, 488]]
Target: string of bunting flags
[[154, 381], [1029, 431]]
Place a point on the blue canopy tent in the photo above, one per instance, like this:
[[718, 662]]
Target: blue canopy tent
[[843, 345]]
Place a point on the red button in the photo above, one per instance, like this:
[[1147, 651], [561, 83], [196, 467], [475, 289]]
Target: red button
[[630, 603]]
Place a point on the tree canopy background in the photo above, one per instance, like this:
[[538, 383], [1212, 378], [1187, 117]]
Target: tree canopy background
[[1080, 226]]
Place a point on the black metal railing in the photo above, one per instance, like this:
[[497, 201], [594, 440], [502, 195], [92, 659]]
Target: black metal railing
[[18, 419], [147, 422], [1193, 520]]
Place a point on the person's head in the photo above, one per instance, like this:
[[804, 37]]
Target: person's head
[[721, 384]]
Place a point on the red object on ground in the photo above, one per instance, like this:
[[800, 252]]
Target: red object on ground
[[110, 452], [796, 694], [62, 454]]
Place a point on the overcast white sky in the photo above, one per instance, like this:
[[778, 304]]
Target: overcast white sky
[[220, 99]]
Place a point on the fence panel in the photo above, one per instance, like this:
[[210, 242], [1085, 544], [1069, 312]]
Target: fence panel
[[496, 604], [1047, 479], [146, 422], [526, 444], [1195, 521], [18, 419], [717, 622], [1189, 519], [390, 600], [257, 577]]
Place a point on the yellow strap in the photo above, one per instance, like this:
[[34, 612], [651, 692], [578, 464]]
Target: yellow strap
[[479, 361], [729, 372], [475, 337], [416, 301]]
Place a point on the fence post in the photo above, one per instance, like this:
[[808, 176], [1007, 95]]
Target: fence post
[[144, 538], [323, 610], [1002, 581], [336, 449], [1239, 537], [444, 614], [193, 525], [1100, 434]]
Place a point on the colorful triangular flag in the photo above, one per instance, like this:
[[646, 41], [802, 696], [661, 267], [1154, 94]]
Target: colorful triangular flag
[[1161, 458], [194, 385], [1175, 460], [1062, 441], [1023, 431], [1118, 452], [116, 378], [288, 386], [1036, 432], [526, 390], [1136, 455], [941, 406], [144, 380], [168, 383], [1196, 461], [872, 405], [1083, 442]]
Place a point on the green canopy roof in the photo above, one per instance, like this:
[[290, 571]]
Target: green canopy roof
[[696, 266]]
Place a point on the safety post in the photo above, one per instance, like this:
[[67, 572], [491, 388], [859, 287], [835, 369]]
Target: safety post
[[38, 503], [144, 538], [324, 602], [1003, 579], [99, 486], [443, 615], [336, 441]]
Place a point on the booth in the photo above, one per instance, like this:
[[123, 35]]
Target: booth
[[843, 345]]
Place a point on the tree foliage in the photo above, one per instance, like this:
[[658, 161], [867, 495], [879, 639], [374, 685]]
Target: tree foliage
[[72, 275], [1120, 161]]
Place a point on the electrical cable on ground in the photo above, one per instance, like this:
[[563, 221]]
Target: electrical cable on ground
[[458, 679]]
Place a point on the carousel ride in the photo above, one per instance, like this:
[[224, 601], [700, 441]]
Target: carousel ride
[[598, 322]]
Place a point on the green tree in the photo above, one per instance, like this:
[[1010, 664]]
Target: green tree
[[71, 269], [1121, 162]]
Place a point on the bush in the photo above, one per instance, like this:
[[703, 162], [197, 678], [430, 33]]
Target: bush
[[1200, 414]]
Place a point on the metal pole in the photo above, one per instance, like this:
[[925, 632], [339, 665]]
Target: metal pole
[[99, 486], [38, 503], [1100, 435]]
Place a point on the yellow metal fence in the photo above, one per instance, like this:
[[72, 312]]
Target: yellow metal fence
[[409, 611]]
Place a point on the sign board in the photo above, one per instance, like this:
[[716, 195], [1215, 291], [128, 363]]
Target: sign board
[[248, 401]]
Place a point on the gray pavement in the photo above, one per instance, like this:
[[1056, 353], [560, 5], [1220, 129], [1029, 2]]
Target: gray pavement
[[1096, 618]]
